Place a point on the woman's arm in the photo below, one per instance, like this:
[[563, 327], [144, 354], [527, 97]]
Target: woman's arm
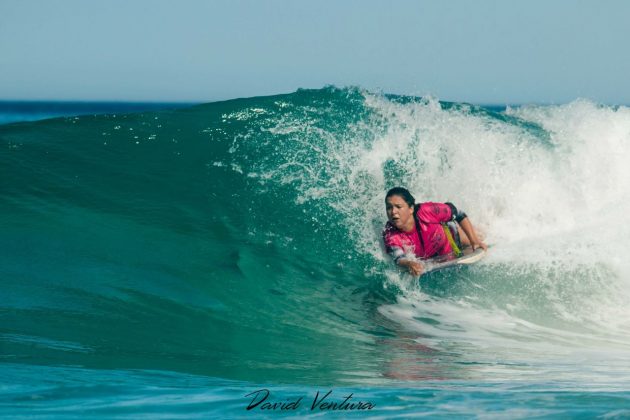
[[461, 218], [468, 229]]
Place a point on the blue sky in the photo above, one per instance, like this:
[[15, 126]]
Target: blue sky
[[156, 50]]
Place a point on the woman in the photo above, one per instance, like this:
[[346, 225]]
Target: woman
[[418, 230]]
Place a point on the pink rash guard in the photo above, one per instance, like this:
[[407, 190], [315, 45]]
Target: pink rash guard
[[433, 242]]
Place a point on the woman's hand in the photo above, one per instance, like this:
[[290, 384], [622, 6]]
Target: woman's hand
[[479, 244], [415, 268]]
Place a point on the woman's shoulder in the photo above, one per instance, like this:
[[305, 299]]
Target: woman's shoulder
[[430, 211]]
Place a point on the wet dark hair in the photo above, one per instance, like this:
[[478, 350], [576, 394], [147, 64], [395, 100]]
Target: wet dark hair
[[403, 193]]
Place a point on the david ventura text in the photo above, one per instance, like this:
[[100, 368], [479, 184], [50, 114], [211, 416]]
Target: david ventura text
[[260, 400]]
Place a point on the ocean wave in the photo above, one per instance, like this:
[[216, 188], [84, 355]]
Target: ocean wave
[[241, 239]]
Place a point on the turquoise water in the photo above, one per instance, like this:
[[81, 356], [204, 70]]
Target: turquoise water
[[169, 263]]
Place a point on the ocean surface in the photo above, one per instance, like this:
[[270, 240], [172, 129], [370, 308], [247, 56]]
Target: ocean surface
[[224, 261]]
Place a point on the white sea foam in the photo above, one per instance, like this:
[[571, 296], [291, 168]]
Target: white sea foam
[[550, 187]]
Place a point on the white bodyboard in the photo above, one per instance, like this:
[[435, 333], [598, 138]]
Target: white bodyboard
[[443, 261]]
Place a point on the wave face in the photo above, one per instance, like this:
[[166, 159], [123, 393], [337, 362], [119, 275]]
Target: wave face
[[241, 240]]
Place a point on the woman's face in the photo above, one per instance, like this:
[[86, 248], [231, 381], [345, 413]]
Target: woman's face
[[399, 213]]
